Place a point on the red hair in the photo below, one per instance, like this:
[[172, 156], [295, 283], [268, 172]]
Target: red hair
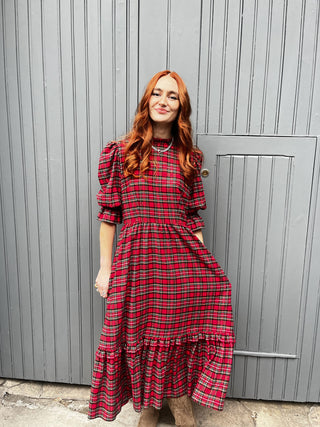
[[139, 140]]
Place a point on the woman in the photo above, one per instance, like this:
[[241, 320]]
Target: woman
[[168, 330]]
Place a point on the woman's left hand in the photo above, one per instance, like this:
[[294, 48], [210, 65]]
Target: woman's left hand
[[199, 234]]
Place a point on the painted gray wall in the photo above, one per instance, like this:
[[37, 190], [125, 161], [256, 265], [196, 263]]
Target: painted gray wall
[[72, 72]]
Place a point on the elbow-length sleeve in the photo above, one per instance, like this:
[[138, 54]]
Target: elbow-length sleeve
[[197, 198], [109, 174]]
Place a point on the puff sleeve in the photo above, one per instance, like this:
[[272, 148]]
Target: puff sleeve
[[109, 174], [197, 198]]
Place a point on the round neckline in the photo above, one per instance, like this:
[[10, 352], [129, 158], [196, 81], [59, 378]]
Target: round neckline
[[161, 140]]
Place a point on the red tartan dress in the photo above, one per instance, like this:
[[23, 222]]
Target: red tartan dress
[[168, 329]]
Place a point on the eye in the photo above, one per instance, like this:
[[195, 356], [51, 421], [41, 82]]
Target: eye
[[155, 94], [173, 97]]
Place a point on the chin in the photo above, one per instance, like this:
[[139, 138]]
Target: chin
[[160, 119]]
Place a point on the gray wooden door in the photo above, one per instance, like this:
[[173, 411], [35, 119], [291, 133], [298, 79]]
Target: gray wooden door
[[258, 192]]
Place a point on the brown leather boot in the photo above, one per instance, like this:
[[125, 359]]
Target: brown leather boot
[[181, 408], [149, 417]]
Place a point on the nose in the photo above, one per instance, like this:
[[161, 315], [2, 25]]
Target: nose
[[163, 99]]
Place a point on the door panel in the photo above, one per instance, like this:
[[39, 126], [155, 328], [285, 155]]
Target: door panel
[[258, 195]]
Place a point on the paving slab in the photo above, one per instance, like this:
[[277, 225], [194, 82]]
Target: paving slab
[[65, 391], [26, 388], [30, 403]]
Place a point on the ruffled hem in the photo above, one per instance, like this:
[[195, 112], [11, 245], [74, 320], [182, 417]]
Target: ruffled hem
[[221, 339], [195, 222], [197, 365]]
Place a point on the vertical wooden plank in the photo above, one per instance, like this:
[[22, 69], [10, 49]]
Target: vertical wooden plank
[[24, 236], [292, 66], [313, 392], [229, 80], [56, 188], [5, 328], [72, 159], [205, 64], [246, 51], [6, 365], [107, 71], [218, 27], [263, 178], [209, 214], [304, 75], [32, 196], [133, 54], [185, 32], [237, 377], [153, 47], [261, 67], [11, 189], [263, 385], [39, 101], [283, 178], [82, 110], [235, 232], [278, 379], [274, 74], [250, 382], [271, 266], [313, 120], [73, 352], [246, 248], [91, 28], [221, 208], [290, 383], [121, 89]]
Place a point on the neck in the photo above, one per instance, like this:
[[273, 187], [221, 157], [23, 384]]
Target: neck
[[161, 131]]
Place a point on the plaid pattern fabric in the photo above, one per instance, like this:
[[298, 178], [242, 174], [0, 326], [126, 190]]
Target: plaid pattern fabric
[[168, 328]]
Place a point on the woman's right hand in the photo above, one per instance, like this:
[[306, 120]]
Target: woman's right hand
[[102, 281]]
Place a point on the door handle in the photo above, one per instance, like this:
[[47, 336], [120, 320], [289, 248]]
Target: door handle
[[205, 173]]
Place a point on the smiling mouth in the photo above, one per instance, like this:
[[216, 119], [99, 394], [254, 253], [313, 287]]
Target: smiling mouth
[[161, 111]]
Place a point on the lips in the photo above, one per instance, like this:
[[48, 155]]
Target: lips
[[161, 110]]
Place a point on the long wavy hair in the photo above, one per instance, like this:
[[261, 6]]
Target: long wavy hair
[[138, 142]]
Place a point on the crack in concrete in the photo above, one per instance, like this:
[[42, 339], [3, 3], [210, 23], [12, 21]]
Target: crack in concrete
[[253, 414], [80, 406], [14, 385]]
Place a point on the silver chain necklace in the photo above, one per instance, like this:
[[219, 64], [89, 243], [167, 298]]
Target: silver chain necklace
[[161, 150]]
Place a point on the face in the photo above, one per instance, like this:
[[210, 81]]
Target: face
[[164, 102]]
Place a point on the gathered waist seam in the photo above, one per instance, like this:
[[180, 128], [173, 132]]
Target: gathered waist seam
[[163, 221]]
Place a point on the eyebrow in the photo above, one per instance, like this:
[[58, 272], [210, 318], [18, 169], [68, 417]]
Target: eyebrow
[[170, 91]]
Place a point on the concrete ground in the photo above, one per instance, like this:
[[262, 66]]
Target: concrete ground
[[29, 403]]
